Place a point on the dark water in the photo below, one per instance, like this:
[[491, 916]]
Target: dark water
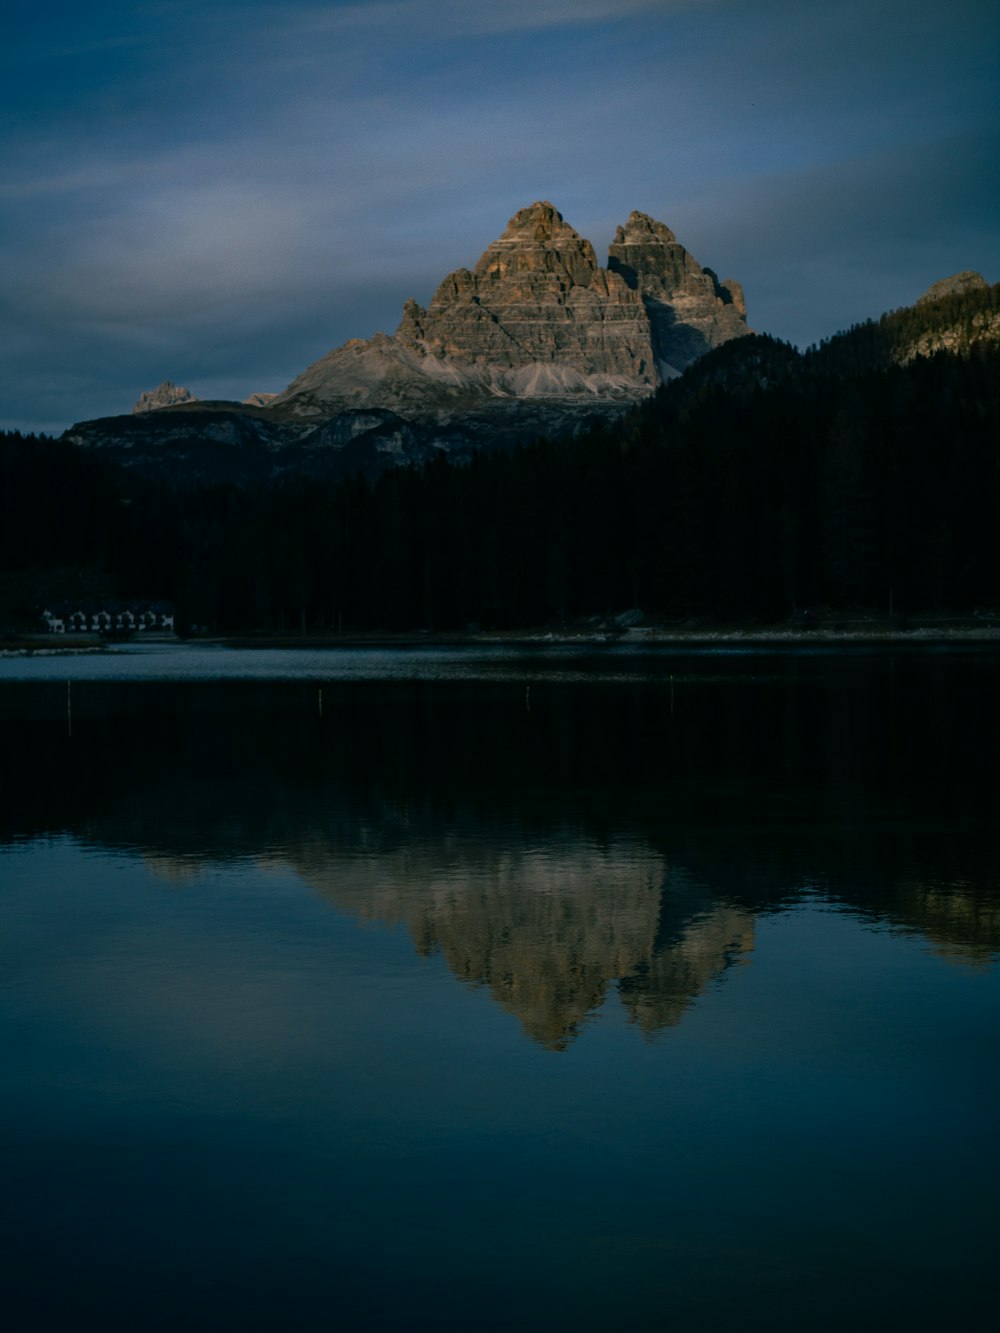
[[498, 991]]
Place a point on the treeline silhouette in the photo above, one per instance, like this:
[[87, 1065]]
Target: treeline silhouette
[[761, 485]]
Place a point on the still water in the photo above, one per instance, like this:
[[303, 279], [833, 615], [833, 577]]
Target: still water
[[499, 989]]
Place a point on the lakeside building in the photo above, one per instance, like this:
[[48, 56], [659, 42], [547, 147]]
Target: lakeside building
[[109, 618]]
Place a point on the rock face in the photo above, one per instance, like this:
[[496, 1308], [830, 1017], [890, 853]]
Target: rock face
[[536, 318], [164, 395], [957, 285], [690, 311], [536, 300]]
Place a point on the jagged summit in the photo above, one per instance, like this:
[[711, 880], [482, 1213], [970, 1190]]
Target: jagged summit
[[164, 395], [649, 257], [538, 238], [536, 318], [689, 309]]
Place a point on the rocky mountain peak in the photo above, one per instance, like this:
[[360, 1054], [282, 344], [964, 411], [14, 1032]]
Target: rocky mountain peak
[[959, 283], [641, 229], [536, 318], [537, 239], [690, 310], [164, 395]]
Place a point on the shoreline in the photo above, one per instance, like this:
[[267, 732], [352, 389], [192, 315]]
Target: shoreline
[[653, 636], [634, 636]]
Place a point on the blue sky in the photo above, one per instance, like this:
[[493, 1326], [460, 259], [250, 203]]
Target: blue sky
[[217, 193]]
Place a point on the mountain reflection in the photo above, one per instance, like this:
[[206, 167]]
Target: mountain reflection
[[606, 841], [547, 931]]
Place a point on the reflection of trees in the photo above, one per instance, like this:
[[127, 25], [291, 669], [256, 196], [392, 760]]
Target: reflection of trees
[[961, 920]]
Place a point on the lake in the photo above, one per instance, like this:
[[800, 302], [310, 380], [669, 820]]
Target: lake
[[492, 988]]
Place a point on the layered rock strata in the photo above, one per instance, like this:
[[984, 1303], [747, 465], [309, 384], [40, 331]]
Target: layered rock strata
[[690, 311], [536, 318]]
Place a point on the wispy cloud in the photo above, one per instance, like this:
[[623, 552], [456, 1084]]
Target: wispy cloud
[[459, 18]]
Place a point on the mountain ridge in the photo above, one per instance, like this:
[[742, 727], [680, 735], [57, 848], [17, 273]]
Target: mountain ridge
[[536, 340]]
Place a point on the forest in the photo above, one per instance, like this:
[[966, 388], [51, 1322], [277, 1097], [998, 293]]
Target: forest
[[761, 486]]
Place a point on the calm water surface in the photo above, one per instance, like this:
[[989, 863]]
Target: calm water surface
[[499, 989]]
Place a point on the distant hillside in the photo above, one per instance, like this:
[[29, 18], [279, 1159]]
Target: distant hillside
[[955, 315], [944, 319]]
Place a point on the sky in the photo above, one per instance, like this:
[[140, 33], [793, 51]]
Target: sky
[[217, 192]]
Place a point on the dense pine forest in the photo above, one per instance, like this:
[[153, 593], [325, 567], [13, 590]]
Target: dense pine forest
[[761, 486]]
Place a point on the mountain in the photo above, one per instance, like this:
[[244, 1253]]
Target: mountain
[[536, 319], [536, 339]]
